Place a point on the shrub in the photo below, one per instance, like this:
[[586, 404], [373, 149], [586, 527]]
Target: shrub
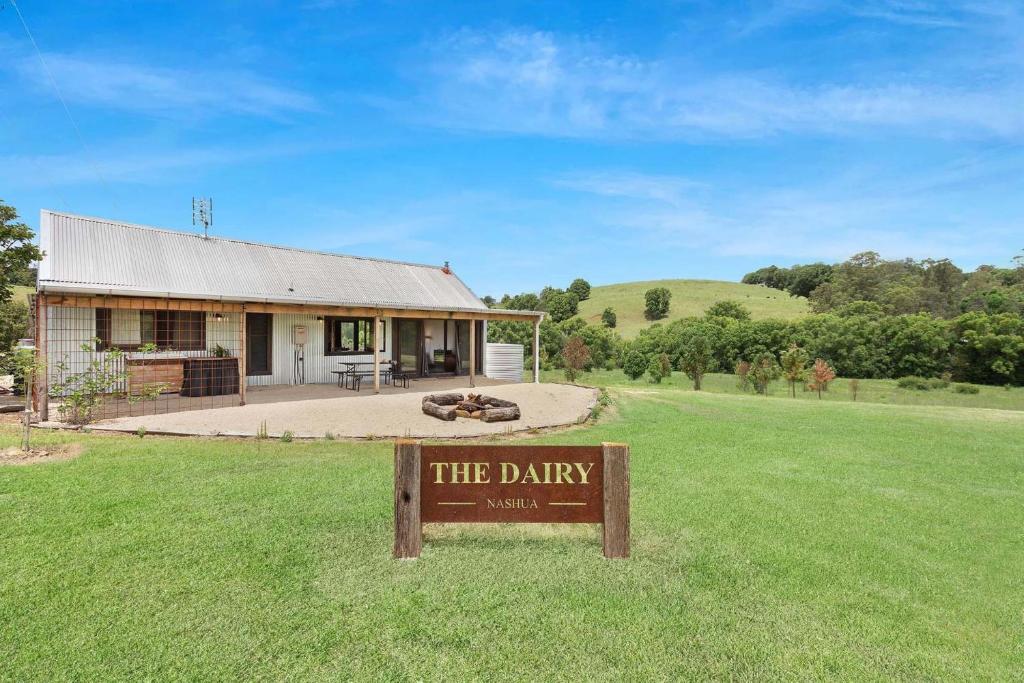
[[728, 309], [608, 317], [140, 432], [966, 389], [656, 302], [634, 364], [913, 382], [657, 368], [575, 356], [581, 288], [286, 436]]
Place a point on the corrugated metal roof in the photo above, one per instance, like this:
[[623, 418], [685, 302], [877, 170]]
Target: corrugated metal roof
[[95, 255]]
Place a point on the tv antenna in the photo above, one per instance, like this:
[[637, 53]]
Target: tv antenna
[[202, 214]]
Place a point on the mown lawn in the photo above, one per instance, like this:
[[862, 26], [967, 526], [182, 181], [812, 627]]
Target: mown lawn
[[869, 390], [689, 297], [771, 539]]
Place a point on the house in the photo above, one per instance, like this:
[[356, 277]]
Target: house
[[203, 318]]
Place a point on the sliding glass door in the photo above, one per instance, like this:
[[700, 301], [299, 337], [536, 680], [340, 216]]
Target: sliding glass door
[[408, 345]]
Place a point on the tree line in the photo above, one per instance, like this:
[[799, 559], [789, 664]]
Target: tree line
[[900, 287]]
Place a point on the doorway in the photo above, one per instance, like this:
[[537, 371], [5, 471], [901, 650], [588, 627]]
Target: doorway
[[408, 348], [258, 343]]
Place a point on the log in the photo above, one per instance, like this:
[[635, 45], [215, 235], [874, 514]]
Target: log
[[443, 399], [446, 413], [496, 402], [500, 414]]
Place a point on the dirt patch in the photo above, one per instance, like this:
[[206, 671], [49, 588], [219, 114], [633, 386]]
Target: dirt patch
[[16, 456]]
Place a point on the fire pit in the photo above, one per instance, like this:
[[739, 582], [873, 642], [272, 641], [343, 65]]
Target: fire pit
[[474, 406]]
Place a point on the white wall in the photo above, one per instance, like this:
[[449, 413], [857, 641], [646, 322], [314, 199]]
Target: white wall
[[318, 366]]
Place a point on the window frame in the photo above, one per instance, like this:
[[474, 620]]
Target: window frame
[[360, 348], [172, 328]]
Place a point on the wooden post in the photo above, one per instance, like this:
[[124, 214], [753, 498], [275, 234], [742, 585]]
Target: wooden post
[[241, 358], [472, 353], [42, 383], [408, 529], [536, 351], [376, 354], [616, 500]]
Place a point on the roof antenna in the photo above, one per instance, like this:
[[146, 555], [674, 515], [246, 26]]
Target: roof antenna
[[202, 214]]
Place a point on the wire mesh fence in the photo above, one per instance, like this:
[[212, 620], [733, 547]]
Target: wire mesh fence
[[114, 357]]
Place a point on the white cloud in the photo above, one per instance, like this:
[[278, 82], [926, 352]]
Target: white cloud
[[533, 82], [126, 85], [825, 220]]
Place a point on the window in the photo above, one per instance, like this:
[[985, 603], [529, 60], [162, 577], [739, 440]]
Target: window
[[173, 330], [348, 336], [103, 329]]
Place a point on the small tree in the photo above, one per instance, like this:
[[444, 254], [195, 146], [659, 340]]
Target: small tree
[[794, 366], [575, 356], [609, 318], [25, 364], [657, 302], [83, 393], [562, 306], [581, 288], [743, 375], [634, 364], [822, 373], [696, 358], [854, 388], [659, 368], [728, 309], [763, 370]]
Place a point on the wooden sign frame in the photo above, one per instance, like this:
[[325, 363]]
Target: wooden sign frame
[[523, 484]]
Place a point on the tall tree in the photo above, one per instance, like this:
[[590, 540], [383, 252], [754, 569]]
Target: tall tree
[[17, 252]]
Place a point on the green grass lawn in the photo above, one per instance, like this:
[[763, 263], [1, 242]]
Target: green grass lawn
[[869, 390], [771, 539], [689, 297]]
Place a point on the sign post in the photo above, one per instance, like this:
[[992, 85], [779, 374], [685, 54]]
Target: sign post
[[570, 484]]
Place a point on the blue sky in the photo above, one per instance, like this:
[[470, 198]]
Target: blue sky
[[529, 144]]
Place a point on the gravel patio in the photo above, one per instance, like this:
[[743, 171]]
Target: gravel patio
[[311, 411]]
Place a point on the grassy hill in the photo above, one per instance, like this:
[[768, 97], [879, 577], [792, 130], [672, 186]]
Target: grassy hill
[[22, 293], [689, 297]]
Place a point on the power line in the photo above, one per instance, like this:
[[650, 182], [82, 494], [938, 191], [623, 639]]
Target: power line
[[64, 104]]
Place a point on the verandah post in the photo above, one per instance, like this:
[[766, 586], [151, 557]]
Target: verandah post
[[376, 353], [42, 383], [472, 353], [241, 357], [408, 528], [616, 500], [536, 351]]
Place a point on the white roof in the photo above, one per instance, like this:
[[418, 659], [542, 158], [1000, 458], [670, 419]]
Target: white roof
[[99, 256]]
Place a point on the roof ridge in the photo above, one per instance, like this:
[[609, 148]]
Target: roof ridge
[[268, 245]]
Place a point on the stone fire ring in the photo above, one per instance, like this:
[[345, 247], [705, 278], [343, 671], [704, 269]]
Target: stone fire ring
[[475, 406]]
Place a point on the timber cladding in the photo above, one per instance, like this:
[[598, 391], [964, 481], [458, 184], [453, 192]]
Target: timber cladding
[[521, 484]]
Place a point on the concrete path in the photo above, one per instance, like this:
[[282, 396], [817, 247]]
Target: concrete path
[[398, 415]]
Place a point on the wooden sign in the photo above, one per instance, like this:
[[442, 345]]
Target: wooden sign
[[574, 484]]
